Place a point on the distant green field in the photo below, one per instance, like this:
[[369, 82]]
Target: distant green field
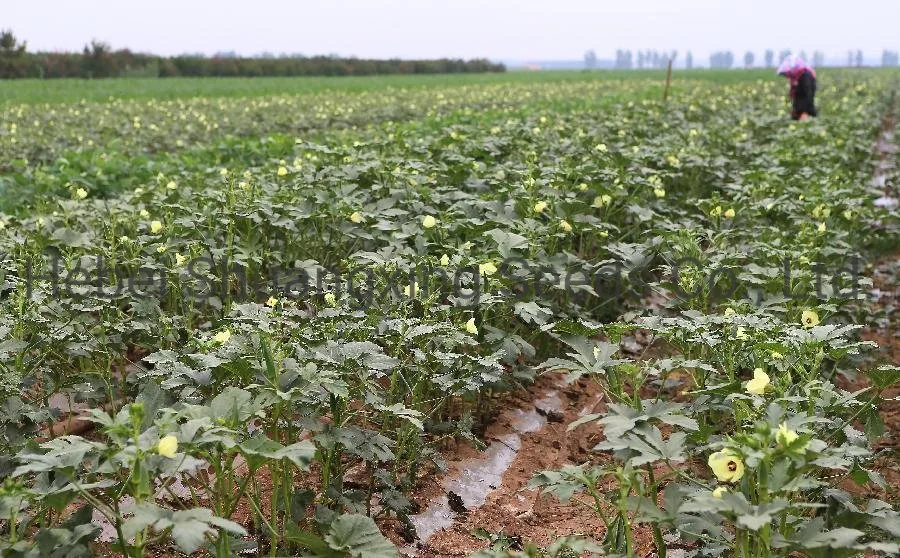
[[73, 90]]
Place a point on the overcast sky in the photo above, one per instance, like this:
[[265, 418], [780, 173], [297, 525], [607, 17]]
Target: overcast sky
[[497, 29]]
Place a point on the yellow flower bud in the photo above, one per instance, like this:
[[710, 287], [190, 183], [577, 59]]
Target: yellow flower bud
[[167, 446], [222, 337], [759, 383], [487, 268], [785, 436]]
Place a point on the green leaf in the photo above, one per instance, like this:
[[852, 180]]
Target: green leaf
[[574, 545], [300, 454], [399, 410], [754, 522], [884, 376], [647, 440], [232, 405], [507, 241], [889, 524], [68, 237], [64, 452], [311, 541], [842, 537], [563, 483], [191, 527], [358, 536]]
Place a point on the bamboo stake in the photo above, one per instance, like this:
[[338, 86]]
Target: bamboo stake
[[668, 81]]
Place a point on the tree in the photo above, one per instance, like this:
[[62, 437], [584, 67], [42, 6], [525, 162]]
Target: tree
[[590, 60], [749, 57], [9, 45], [688, 60], [14, 61], [890, 58], [803, 55], [640, 59], [98, 60], [859, 58], [849, 58], [770, 58], [721, 59], [818, 58]]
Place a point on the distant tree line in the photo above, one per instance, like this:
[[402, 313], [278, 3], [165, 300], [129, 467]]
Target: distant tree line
[[99, 60], [725, 58], [627, 60], [721, 59]]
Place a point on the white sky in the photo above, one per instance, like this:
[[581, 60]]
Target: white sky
[[497, 29]]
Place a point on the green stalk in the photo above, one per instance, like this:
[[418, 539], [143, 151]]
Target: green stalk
[[762, 542], [657, 532]]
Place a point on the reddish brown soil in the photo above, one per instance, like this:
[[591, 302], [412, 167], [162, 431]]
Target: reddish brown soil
[[886, 278], [524, 514]]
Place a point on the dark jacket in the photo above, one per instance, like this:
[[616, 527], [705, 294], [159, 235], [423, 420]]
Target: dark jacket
[[803, 95]]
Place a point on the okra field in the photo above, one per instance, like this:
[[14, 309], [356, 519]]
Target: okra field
[[526, 314]]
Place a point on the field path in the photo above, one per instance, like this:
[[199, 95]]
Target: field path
[[530, 435]]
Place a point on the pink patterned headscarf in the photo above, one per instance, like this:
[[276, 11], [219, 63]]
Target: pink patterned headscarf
[[792, 67]]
